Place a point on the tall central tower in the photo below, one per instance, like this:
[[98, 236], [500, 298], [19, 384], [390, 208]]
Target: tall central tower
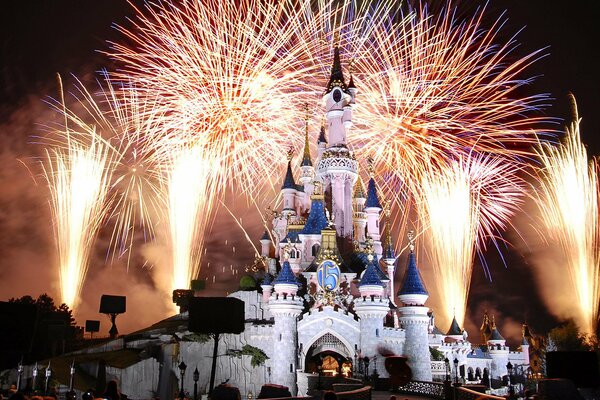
[[337, 168]]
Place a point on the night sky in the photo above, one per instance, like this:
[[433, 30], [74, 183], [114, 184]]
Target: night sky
[[41, 38]]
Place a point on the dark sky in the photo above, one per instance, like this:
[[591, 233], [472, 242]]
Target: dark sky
[[43, 37]]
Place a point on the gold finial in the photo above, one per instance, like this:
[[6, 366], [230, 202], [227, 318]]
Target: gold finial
[[336, 39], [290, 154], [411, 240], [351, 66], [371, 166], [317, 188], [369, 245], [306, 155], [387, 209]]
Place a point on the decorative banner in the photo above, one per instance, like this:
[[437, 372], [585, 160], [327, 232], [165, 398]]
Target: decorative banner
[[328, 275]]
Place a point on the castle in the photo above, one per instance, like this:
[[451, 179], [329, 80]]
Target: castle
[[326, 305]]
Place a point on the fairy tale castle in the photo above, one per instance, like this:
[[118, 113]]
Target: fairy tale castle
[[326, 303]]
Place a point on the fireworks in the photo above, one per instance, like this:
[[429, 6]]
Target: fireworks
[[79, 179], [434, 87], [189, 175], [463, 204], [568, 202]]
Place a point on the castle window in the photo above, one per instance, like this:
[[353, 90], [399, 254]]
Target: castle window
[[315, 249], [291, 368], [280, 337], [377, 332]]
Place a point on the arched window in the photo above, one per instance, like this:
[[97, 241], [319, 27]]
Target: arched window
[[315, 249]]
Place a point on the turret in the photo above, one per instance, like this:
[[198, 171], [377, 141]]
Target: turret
[[414, 318], [308, 171], [285, 307], [265, 245], [359, 216], [498, 351], [373, 209], [455, 331], [389, 256], [335, 99], [288, 190], [321, 142], [370, 284], [267, 288], [310, 235], [525, 344], [371, 308]]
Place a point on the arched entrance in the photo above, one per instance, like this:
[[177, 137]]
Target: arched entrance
[[328, 356]]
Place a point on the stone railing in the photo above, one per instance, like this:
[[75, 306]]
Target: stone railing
[[463, 393], [432, 390]]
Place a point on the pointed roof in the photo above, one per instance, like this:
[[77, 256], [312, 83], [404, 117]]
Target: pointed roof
[[496, 335], [364, 257], [412, 282], [337, 76], [265, 236], [288, 182], [524, 341], [372, 198], [292, 235], [322, 138], [370, 277], [359, 189], [351, 83], [317, 220], [306, 161], [267, 280], [286, 276], [454, 328]]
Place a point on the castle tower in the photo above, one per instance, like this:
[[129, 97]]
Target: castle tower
[[485, 329], [285, 307], [389, 256], [337, 167], [310, 235], [288, 191], [371, 308], [414, 319], [308, 171], [498, 351], [265, 245], [455, 331], [373, 209], [360, 216]]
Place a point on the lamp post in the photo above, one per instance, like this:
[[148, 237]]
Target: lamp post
[[72, 372], [447, 364], [19, 374], [366, 361], [455, 371], [34, 373], [182, 368], [196, 377], [509, 368], [48, 375]]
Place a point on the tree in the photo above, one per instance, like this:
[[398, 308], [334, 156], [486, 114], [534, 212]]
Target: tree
[[567, 337]]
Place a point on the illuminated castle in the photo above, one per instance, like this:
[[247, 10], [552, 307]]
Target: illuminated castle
[[325, 301]]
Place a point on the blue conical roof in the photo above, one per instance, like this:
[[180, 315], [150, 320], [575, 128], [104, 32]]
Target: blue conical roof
[[292, 235], [265, 236], [267, 279], [372, 199], [454, 328], [364, 258], [322, 138], [286, 275], [288, 182], [412, 282], [370, 277], [496, 335], [337, 76], [317, 220]]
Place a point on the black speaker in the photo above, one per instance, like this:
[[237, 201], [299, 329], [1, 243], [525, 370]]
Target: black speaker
[[216, 315], [579, 366], [92, 326], [112, 304]]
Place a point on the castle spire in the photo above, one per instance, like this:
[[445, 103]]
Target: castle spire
[[388, 250], [337, 76], [413, 290], [306, 161], [288, 182]]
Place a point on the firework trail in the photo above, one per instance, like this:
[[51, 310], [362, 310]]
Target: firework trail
[[464, 204], [78, 178], [568, 202], [125, 122]]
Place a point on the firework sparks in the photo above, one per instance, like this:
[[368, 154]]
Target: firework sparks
[[463, 205], [434, 87], [189, 175], [78, 178], [568, 202]]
